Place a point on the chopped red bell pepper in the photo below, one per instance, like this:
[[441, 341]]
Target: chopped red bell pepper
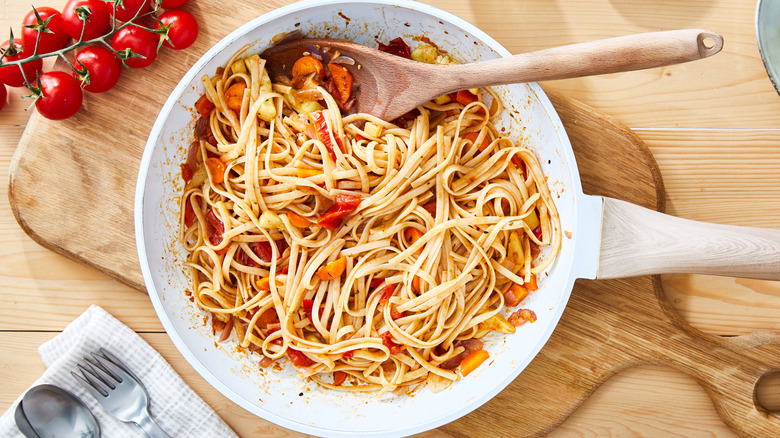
[[387, 341], [339, 377], [323, 134], [204, 106], [189, 213], [466, 97], [538, 232], [216, 230], [397, 47], [344, 205], [189, 167], [265, 252], [298, 358]]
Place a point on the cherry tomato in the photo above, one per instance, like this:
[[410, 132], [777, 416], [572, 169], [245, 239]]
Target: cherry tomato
[[173, 4], [102, 68], [53, 37], [3, 96], [12, 75], [60, 96], [97, 23], [182, 28], [139, 41], [129, 8]]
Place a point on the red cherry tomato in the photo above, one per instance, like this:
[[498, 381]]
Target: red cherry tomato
[[182, 28], [3, 96], [173, 4], [53, 38], [102, 68], [139, 41], [97, 23], [12, 75], [129, 8], [60, 96]]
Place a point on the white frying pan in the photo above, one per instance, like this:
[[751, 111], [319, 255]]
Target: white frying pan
[[609, 238]]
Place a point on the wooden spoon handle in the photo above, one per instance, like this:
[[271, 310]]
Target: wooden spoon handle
[[626, 53], [638, 241]]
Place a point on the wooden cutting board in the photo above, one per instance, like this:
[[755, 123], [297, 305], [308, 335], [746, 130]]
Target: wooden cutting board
[[72, 185]]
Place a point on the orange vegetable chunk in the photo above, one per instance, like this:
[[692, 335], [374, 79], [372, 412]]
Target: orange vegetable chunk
[[217, 169], [235, 96], [306, 65], [472, 361], [343, 79], [333, 269], [297, 220]]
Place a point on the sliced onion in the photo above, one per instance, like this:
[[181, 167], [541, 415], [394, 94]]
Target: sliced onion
[[343, 59], [226, 331]]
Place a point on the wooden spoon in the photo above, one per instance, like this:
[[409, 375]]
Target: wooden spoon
[[390, 86]]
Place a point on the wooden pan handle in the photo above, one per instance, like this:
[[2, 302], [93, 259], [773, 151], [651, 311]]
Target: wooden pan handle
[[612, 55], [638, 241]]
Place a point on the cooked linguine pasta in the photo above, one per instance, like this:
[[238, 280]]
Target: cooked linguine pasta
[[374, 255]]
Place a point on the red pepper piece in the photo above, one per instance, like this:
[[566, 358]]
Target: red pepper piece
[[397, 47], [189, 167], [298, 358], [344, 205], [387, 341]]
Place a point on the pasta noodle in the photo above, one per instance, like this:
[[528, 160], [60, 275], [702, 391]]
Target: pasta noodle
[[374, 254]]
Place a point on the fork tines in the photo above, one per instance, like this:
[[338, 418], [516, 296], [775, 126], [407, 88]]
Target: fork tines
[[100, 371]]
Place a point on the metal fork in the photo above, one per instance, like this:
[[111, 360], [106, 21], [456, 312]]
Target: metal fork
[[118, 390]]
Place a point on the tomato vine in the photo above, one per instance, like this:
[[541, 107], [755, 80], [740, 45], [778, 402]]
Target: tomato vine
[[103, 33]]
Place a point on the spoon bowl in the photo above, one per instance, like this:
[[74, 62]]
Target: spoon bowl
[[50, 411], [389, 86]]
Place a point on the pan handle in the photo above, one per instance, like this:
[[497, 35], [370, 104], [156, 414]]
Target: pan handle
[[638, 241]]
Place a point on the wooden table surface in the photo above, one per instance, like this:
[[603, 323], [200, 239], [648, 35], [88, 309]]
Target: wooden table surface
[[714, 131]]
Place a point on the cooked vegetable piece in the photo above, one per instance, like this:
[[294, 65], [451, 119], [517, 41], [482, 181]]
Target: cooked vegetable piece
[[270, 220], [298, 358], [515, 248], [397, 47], [343, 80], [333, 269], [339, 377], [497, 323], [472, 136], [216, 169], [344, 205], [522, 316], [305, 173], [304, 66], [387, 341], [532, 220], [234, 96], [425, 53], [531, 284], [297, 220], [372, 129], [515, 295], [264, 283], [472, 361], [412, 235]]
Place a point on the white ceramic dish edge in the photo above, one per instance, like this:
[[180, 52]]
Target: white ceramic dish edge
[[585, 215]]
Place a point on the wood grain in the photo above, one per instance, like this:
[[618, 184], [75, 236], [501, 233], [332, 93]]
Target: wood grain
[[712, 129], [639, 241]]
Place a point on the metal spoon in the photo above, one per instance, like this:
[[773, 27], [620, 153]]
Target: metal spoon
[[390, 86], [50, 411]]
